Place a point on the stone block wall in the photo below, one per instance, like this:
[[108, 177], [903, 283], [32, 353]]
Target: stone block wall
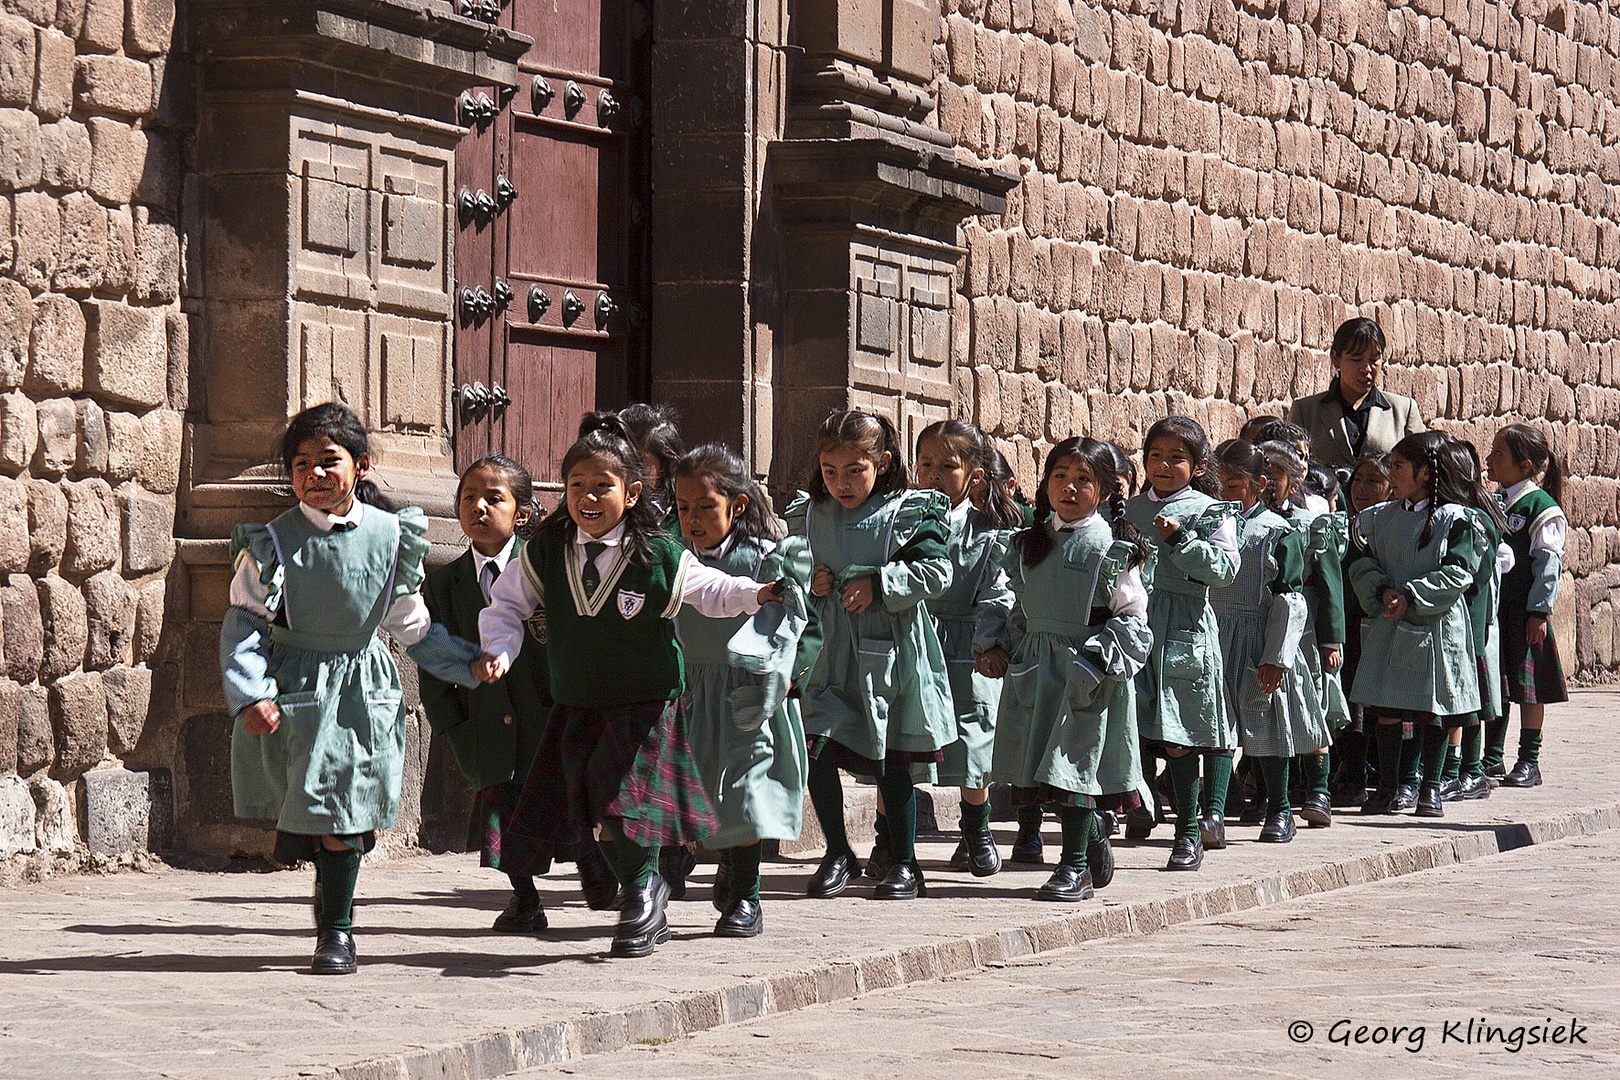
[[93, 377], [1210, 188]]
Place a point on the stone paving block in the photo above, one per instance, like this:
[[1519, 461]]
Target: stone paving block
[[16, 818], [655, 1022], [746, 1001], [837, 982], [700, 1012], [544, 1044]]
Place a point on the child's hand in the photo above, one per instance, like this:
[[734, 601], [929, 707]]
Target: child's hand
[[261, 718], [1332, 657], [771, 593], [1394, 605], [858, 596], [821, 583], [992, 663], [1269, 676], [1535, 630], [1167, 526], [488, 668]]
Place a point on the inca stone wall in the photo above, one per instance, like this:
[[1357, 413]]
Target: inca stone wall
[[93, 363], [1209, 189]]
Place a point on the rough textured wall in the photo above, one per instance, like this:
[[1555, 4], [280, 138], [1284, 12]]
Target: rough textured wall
[[93, 365], [1210, 189]]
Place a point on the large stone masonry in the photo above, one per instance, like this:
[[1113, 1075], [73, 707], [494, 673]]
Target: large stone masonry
[[1208, 189]]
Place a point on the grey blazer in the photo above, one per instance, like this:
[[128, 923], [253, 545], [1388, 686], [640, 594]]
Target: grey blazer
[[1330, 443]]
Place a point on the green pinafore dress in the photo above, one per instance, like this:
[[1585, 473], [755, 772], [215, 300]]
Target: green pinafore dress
[[1178, 693], [334, 765], [1066, 729], [878, 691], [753, 765], [1327, 537], [970, 617]]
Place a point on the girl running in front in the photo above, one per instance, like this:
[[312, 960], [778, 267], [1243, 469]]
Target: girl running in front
[[877, 699], [616, 756], [1417, 671], [1066, 732], [1179, 694]]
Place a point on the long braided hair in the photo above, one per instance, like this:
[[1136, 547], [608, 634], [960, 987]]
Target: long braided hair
[[1447, 480], [1035, 543]]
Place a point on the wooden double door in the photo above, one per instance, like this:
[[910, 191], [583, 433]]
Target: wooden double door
[[551, 247]]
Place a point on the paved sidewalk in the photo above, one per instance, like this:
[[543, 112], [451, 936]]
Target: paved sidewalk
[[199, 975], [1525, 945]]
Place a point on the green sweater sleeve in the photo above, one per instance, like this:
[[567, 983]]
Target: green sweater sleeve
[[1435, 592]]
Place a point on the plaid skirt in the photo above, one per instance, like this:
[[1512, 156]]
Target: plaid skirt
[[298, 847], [1047, 795], [489, 833], [630, 764], [825, 748], [1531, 674]]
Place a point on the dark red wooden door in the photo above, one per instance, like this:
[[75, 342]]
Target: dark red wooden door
[[554, 234]]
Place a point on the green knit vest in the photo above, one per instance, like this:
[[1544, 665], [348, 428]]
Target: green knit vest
[[1522, 518], [617, 646]]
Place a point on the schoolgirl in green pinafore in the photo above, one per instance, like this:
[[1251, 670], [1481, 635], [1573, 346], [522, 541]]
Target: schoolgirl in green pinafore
[[1530, 480], [615, 757], [1324, 535], [1066, 730], [319, 741], [1179, 699], [747, 739], [877, 699], [953, 457], [1263, 616], [1418, 669]]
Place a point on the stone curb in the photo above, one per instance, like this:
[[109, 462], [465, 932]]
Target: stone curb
[[499, 1053]]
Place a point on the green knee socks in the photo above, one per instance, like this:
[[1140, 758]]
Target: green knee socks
[[1436, 740], [1452, 769], [1411, 773], [1029, 818], [337, 872], [632, 863], [1391, 750], [900, 807], [1473, 746], [975, 818], [1274, 771], [1217, 779], [744, 864], [1077, 823], [827, 797], [1184, 780], [1495, 741], [1316, 768], [1530, 745]]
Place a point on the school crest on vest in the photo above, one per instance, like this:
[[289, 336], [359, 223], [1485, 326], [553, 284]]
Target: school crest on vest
[[1515, 522], [630, 603]]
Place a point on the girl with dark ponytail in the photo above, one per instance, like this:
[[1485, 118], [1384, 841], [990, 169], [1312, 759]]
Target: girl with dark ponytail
[[1066, 734], [1418, 672], [1532, 673], [605, 582]]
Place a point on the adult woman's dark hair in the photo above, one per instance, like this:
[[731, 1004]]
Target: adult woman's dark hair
[[604, 435], [1356, 336], [1035, 543], [339, 424], [1191, 434], [973, 447], [873, 436], [725, 470], [1528, 445]]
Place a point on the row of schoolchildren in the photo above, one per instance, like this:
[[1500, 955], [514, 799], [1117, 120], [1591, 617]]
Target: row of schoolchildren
[[664, 662]]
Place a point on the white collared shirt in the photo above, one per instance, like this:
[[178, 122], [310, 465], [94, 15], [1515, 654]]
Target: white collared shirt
[[710, 592], [407, 619], [1130, 595], [1553, 530], [500, 560], [720, 549]]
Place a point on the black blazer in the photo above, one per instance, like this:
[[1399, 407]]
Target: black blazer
[[494, 728]]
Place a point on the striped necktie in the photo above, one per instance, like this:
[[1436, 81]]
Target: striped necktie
[[589, 575]]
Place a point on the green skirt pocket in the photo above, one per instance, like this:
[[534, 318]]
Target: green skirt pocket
[[748, 707], [1184, 653], [1411, 648], [878, 676]]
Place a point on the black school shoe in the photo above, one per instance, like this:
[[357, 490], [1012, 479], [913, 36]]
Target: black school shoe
[[1279, 828], [596, 879], [1027, 847], [1494, 773], [832, 876], [1139, 822], [1187, 854], [984, 860], [904, 882], [1475, 787], [520, 917], [1317, 810], [1378, 802], [674, 863], [1067, 886], [721, 897], [877, 867], [1099, 862], [642, 923], [1405, 797], [334, 953], [1523, 774], [1430, 803], [1451, 790], [1212, 830], [742, 919]]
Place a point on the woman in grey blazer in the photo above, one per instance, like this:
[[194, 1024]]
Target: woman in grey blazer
[[1353, 416]]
